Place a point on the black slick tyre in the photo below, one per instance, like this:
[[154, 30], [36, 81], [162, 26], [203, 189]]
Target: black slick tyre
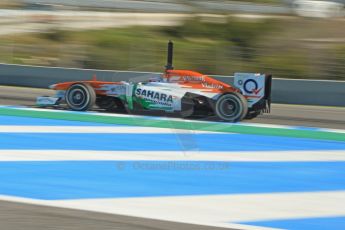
[[80, 97], [231, 107]]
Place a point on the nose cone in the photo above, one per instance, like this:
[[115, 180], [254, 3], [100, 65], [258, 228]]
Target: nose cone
[[52, 86]]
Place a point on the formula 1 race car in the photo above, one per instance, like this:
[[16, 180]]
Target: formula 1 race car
[[183, 91]]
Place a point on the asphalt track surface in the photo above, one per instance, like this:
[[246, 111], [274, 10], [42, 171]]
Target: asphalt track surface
[[15, 216], [19, 216]]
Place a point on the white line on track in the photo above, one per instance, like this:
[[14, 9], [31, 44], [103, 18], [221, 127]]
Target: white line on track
[[94, 129], [258, 156], [60, 204], [213, 210], [224, 209]]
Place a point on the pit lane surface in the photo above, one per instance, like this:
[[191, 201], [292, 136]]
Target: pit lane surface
[[295, 115]]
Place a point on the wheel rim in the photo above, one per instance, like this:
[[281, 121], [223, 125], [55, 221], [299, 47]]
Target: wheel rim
[[229, 107], [77, 97]]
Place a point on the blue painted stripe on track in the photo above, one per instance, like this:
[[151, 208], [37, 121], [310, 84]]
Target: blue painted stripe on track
[[322, 223], [114, 179], [28, 121], [161, 142]]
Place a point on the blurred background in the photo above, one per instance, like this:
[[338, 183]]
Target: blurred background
[[288, 38]]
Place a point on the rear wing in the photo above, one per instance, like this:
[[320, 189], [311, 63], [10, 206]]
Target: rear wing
[[256, 88]]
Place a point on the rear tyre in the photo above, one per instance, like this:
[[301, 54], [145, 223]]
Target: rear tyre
[[231, 107], [80, 97]]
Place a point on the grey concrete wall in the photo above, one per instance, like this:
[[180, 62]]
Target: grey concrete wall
[[42, 77], [309, 92], [286, 91]]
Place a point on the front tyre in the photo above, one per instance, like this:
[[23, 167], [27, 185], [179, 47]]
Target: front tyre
[[231, 107], [80, 97]]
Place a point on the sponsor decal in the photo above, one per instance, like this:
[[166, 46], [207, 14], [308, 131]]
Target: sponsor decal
[[250, 86], [193, 78], [211, 86], [154, 96]]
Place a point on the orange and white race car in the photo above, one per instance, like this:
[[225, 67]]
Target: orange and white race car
[[183, 91]]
